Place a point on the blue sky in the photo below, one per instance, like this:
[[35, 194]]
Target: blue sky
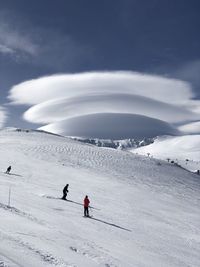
[[153, 37]]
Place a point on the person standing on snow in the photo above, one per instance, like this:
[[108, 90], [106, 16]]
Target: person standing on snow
[[8, 170], [65, 191], [86, 206]]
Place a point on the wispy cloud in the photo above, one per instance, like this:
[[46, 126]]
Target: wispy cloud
[[6, 50], [58, 98], [15, 42], [24, 42]]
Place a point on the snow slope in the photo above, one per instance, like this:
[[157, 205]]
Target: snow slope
[[146, 212], [185, 150]]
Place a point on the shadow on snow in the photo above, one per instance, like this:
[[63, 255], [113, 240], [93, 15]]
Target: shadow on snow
[[111, 224], [14, 174]]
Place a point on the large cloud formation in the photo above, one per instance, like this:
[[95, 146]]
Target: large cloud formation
[[66, 100], [114, 103], [70, 85], [112, 126]]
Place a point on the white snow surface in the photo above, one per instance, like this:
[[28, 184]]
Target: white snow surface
[[146, 212], [183, 150]]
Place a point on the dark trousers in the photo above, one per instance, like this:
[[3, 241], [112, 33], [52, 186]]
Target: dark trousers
[[64, 195], [86, 211]]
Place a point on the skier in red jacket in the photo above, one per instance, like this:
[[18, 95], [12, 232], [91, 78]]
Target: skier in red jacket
[[86, 206]]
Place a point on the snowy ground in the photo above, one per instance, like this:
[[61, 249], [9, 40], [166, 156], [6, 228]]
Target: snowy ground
[[146, 212], [184, 150]]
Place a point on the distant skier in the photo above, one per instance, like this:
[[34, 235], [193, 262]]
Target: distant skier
[[8, 170], [86, 206], [65, 191]]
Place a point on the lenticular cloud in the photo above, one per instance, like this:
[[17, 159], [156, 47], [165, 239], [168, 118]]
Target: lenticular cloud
[[65, 101], [111, 126], [60, 109], [70, 85]]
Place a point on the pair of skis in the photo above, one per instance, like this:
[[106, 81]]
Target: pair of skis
[[90, 216]]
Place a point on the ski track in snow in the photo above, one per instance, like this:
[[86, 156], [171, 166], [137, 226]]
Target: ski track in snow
[[90, 157], [97, 255], [47, 257], [5, 262], [20, 213], [99, 159]]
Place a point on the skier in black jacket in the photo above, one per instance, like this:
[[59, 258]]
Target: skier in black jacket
[[8, 170], [65, 191]]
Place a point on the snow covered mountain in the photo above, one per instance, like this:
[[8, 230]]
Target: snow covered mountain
[[145, 211], [117, 144], [183, 150]]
